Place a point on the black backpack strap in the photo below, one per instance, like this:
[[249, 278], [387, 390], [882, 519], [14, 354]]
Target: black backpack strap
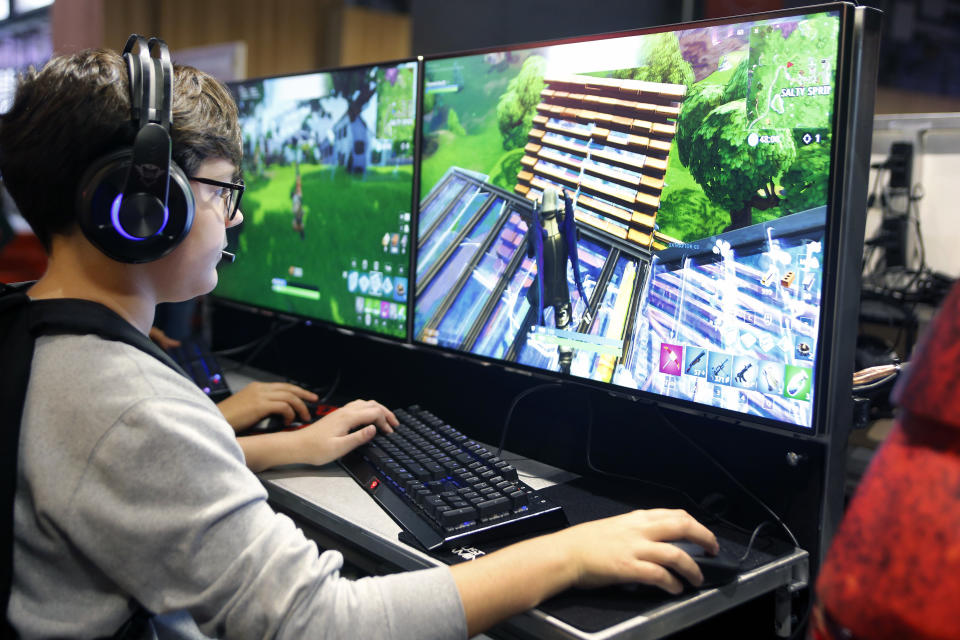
[[16, 345], [81, 317], [22, 321]]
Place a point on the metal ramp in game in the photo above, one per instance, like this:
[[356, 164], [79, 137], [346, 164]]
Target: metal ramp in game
[[474, 278]]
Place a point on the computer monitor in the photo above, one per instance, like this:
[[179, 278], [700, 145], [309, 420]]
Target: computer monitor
[[328, 165], [694, 244]]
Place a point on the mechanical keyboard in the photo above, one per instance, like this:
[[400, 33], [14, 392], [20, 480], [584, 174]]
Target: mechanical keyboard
[[445, 489], [195, 357]]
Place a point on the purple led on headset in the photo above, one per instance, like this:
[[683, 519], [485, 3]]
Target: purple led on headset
[[115, 219]]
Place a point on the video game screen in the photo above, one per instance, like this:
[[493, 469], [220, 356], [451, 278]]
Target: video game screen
[[328, 167], [647, 211]]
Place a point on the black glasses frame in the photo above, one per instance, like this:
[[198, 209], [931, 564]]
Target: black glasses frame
[[238, 187]]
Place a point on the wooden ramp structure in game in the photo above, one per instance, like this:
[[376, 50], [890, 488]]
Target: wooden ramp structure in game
[[606, 140]]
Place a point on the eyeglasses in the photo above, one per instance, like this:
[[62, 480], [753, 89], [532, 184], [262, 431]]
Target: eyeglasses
[[229, 192]]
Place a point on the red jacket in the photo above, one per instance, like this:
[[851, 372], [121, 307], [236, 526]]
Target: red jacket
[[893, 568]]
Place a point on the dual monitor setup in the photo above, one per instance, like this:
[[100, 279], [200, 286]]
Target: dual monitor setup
[[657, 213]]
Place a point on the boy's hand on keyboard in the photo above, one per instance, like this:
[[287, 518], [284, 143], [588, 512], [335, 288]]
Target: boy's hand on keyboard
[[258, 400], [342, 431], [633, 548]]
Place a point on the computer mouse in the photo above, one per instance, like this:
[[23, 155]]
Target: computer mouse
[[717, 570], [275, 422]]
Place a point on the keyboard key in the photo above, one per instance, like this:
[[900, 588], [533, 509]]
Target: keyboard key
[[496, 507], [455, 517]]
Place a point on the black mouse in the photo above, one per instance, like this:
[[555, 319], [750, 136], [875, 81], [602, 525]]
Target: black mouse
[[275, 422], [717, 570]]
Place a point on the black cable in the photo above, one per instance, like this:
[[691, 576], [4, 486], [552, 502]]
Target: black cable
[[333, 387], [238, 349], [258, 344], [513, 405], [652, 483], [729, 475], [267, 339]]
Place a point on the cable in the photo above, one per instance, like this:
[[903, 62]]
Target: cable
[[238, 349], [652, 483], [513, 405], [259, 343], [272, 333], [753, 537], [333, 387], [729, 475]]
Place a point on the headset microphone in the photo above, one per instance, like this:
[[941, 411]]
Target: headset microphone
[[226, 256]]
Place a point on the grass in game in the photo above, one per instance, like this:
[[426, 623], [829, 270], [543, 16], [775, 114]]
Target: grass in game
[[481, 149], [345, 217]]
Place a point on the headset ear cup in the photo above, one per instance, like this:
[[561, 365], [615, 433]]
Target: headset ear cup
[[127, 237]]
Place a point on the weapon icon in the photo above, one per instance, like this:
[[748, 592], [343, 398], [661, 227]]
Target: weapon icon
[[796, 383], [694, 362], [741, 377], [719, 368]]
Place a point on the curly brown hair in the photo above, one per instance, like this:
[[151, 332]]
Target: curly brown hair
[[77, 109]]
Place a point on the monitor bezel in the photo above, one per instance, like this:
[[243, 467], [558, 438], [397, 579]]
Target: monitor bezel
[[828, 371]]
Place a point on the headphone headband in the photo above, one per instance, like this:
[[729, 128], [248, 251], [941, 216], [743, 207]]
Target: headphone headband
[[161, 58]]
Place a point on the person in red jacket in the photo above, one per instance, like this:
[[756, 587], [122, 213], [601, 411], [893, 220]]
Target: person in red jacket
[[893, 568]]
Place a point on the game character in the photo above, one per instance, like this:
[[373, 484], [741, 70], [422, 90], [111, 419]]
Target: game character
[[296, 197], [553, 246]]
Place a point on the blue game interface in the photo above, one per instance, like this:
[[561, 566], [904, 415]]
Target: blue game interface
[[644, 211]]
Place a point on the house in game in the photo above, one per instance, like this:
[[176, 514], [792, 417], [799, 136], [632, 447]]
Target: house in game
[[351, 145], [350, 142]]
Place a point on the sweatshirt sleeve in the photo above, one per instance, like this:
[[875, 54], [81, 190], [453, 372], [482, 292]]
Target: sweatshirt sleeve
[[167, 509]]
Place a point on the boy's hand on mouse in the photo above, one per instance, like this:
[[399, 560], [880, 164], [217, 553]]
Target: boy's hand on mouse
[[258, 400], [337, 433], [632, 548]]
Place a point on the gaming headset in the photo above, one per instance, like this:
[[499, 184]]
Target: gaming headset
[[135, 204]]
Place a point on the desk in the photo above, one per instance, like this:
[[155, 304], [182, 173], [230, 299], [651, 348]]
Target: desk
[[339, 514], [329, 500]]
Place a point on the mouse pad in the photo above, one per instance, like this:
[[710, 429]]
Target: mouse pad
[[593, 610]]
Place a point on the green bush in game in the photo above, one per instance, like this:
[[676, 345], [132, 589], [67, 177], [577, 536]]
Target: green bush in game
[[345, 216], [760, 181]]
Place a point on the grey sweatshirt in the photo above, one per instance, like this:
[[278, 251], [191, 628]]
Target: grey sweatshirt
[[131, 485]]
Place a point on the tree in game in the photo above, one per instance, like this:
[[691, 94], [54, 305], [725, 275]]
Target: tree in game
[[666, 62], [734, 174], [518, 104], [736, 87], [687, 214], [805, 183], [702, 100]]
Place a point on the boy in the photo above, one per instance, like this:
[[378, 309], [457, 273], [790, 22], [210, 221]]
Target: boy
[[132, 490]]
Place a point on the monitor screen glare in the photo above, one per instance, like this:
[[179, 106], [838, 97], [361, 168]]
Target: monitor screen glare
[[646, 211], [328, 165]]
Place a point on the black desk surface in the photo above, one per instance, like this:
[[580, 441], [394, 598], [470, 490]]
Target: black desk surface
[[328, 499]]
